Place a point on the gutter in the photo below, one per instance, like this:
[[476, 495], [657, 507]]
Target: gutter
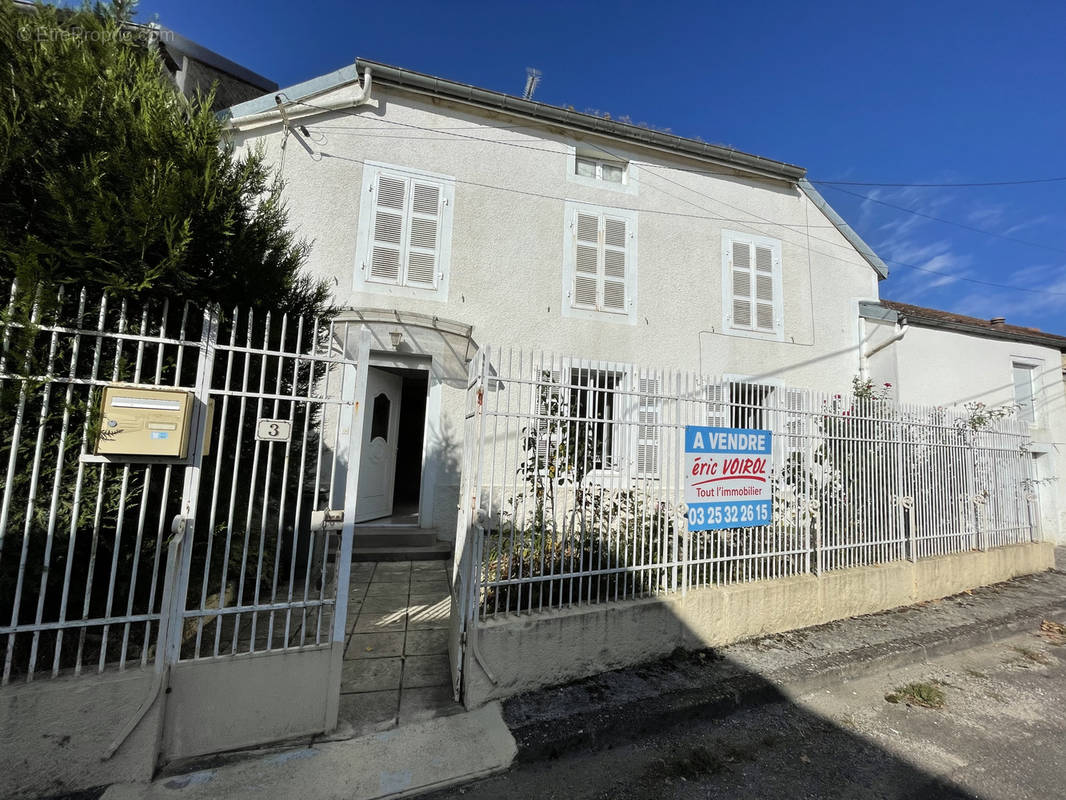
[[289, 108]]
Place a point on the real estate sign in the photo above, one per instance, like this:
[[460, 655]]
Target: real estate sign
[[727, 477]]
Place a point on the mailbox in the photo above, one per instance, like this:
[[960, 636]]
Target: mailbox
[[145, 422]]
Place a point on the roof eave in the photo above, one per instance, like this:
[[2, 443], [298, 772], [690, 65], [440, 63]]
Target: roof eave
[[498, 101], [875, 311], [845, 230]]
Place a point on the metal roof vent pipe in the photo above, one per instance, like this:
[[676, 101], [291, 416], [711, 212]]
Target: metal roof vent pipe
[[998, 321]]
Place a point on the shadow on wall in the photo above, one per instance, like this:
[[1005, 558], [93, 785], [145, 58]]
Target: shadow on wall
[[443, 463]]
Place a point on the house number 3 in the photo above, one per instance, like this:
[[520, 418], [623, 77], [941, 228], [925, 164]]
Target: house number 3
[[273, 430]]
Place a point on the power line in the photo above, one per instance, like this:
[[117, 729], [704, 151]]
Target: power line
[[747, 222], [943, 185], [922, 214]]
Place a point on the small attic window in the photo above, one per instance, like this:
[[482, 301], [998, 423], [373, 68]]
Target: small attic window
[[600, 170]]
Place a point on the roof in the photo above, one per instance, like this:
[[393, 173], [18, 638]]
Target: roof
[[177, 44], [947, 320], [441, 88]]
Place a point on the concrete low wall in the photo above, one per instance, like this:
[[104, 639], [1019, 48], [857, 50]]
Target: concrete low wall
[[54, 733], [527, 653], [228, 703]]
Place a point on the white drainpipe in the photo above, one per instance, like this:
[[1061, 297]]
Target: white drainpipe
[[290, 110], [901, 331]]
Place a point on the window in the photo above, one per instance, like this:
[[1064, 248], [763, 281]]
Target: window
[[592, 167], [602, 422], [751, 285], [784, 411], [593, 407], [748, 407], [600, 266], [606, 171], [379, 422], [1024, 391], [404, 232]]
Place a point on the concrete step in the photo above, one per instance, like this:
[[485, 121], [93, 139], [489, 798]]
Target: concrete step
[[385, 536], [436, 552], [397, 543]]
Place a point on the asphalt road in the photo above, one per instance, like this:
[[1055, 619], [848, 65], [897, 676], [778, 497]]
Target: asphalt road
[[1000, 734]]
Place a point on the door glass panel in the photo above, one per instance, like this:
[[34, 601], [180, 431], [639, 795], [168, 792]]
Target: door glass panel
[[379, 423]]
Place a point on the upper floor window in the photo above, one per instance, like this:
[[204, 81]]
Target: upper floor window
[[1025, 391], [751, 285], [606, 171], [597, 169], [404, 241], [600, 262]]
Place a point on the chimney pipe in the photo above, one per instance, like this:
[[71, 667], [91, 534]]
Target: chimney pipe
[[998, 321]]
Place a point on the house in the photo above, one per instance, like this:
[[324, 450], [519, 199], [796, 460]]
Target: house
[[450, 217], [190, 66], [938, 357]]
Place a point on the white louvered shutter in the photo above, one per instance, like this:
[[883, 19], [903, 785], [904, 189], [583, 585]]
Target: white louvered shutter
[[586, 260], [790, 423], [600, 262], [649, 415], [764, 288], [405, 239], [548, 397], [386, 246], [614, 264], [716, 397], [422, 248], [742, 285]]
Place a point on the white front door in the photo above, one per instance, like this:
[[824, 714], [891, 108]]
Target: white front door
[[381, 430]]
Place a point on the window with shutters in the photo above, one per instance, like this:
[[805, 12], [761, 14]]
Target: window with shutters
[[404, 232], [603, 420], [600, 267], [751, 285]]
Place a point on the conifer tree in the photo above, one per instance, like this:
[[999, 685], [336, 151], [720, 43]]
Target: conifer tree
[[110, 178]]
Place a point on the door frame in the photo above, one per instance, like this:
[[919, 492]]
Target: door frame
[[432, 441]]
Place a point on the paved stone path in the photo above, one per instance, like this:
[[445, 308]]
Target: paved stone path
[[396, 667]]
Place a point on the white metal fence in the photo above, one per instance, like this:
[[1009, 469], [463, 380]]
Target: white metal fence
[[573, 491], [91, 575]]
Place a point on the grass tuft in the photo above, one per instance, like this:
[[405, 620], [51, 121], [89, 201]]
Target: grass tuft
[[925, 695]]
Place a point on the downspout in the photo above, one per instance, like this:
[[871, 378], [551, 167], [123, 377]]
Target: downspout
[[901, 331], [296, 109]]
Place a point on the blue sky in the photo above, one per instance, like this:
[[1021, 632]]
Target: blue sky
[[922, 92]]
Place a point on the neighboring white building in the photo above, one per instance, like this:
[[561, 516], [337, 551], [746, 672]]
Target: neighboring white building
[[936, 357], [450, 217]]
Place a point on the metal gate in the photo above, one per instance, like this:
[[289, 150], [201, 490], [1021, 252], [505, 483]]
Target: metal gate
[[225, 572]]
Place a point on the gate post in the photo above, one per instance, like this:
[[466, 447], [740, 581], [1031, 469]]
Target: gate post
[[185, 522], [352, 425]]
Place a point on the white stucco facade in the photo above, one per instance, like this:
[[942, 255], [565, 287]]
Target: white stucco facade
[[514, 189], [938, 366], [511, 190]]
